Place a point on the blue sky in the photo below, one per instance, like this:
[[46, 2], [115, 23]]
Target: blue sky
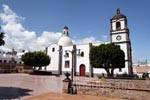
[[86, 19]]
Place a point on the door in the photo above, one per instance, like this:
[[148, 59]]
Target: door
[[82, 70]]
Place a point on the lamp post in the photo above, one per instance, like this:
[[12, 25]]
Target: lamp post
[[73, 53], [60, 60], [72, 68]]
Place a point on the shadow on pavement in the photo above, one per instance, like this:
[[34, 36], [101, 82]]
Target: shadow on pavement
[[37, 72], [44, 73], [9, 93]]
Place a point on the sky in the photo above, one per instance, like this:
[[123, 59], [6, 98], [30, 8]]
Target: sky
[[35, 24]]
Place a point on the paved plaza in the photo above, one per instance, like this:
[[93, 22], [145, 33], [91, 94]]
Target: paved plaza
[[38, 87], [22, 86]]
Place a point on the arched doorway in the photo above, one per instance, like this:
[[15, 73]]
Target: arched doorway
[[82, 70]]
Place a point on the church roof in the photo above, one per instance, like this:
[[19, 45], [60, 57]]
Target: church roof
[[118, 15], [65, 40]]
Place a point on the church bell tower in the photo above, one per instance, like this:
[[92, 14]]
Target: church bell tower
[[119, 34]]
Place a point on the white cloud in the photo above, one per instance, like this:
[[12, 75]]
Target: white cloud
[[104, 38], [48, 37], [9, 16], [20, 38], [86, 40]]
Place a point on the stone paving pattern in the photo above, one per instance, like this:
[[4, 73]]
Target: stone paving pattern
[[37, 87], [21, 86]]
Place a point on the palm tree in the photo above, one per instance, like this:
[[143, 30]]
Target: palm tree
[[2, 42]]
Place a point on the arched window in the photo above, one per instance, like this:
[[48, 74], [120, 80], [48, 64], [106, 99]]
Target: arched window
[[66, 54], [53, 49], [82, 54], [67, 64], [118, 26]]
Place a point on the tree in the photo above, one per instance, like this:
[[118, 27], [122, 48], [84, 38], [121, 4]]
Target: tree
[[36, 59], [107, 56], [2, 42]]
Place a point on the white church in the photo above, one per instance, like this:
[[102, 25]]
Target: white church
[[67, 57]]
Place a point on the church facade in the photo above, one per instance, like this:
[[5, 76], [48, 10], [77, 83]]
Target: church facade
[[68, 57]]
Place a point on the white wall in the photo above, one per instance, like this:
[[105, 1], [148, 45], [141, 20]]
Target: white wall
[[116, 71], [121, 22], [54, 56], [123, 37], [8, 57], [69, 58], [79, 60], [123, 47], [99, 71], [85, 59]]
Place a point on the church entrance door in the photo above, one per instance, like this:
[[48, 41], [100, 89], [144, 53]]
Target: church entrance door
[[82, 70]]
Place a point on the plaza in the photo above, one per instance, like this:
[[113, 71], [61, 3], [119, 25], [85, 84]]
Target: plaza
[[49, 87], [22, 86], [34, 87]]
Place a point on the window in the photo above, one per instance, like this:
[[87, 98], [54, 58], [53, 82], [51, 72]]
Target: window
[[66, 54], [67, 63], [82, 54], [5, 61], [118, 26], [53, 49], [0, 61]]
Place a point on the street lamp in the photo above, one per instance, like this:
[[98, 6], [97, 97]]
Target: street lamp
[[72, 68], [73, 52]]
